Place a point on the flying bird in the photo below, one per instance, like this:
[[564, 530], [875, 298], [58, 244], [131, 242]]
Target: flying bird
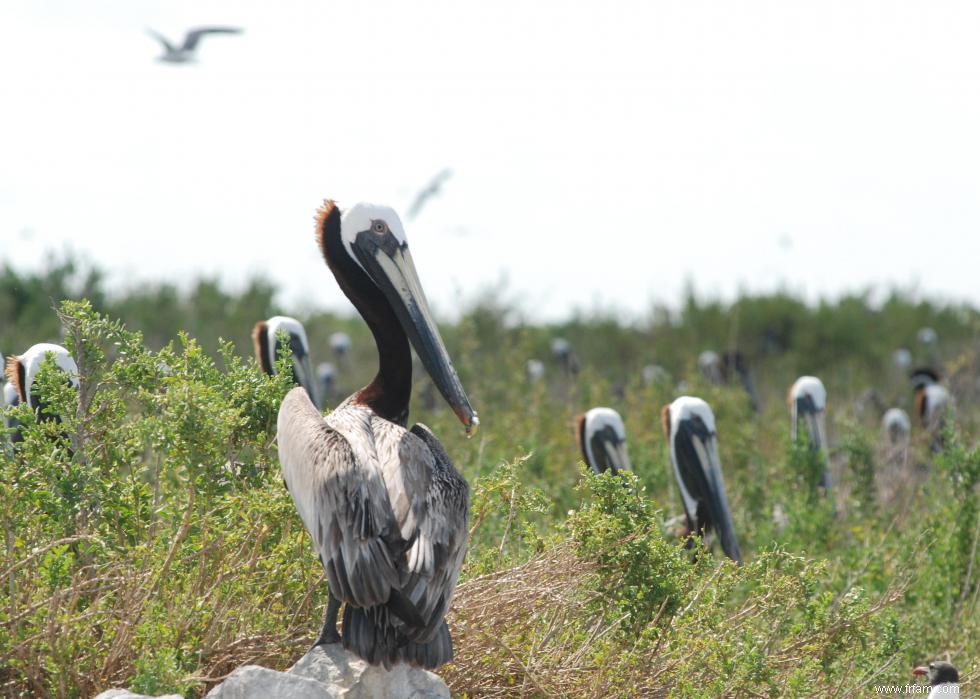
[[807, 405], [384, 505], [943, 679], [431, 190], [185, 52], [265, 338], [689, 426], [602, 439], [22, 372]]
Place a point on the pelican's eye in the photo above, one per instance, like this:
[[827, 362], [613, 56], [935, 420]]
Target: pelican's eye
[[379, 227]]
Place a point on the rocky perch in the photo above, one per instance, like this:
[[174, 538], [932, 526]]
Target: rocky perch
[[325, 672]]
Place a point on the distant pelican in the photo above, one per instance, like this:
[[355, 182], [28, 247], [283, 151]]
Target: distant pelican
[[709, 364], [385, 507], [735, 365], [265, 338], [22, 372], [340, 345], [943, 679], [534, 370], [602, 439], [185, 52], [326, 375], [561, 351], [807, 403], [902, 359], [896, 426], [933, 403], [690, 428], [654, 374]]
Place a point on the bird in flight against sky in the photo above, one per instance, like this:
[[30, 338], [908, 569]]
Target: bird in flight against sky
[[185, 52], [431, 190]]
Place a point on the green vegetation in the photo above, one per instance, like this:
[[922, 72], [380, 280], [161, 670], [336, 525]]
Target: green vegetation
[[149, 541]]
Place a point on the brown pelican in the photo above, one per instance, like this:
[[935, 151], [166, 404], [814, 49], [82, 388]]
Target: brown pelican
[[933, 403], [185, 52], [690, 428], [807, 403], [385, 507], [735, 365], [709, 364], [265, 338], [654, 374], [943, 679], [534, 370], [602, 439], [22, 372], [326, 375], [340, 345], [561, 351], [896, 425]]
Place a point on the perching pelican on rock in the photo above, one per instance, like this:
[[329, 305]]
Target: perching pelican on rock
[[265, 338], [602, 439], [385, 507], [689, 426], [807, 403]]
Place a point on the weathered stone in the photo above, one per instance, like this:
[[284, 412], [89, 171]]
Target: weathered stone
[[325, 672], [126, 694]]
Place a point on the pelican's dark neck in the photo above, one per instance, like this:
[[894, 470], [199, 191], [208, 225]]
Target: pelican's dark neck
[[389, 392]]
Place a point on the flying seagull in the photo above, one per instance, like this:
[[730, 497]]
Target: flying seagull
[[431, 190], [185, 52]]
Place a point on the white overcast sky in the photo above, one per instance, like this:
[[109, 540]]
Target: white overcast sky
[[604, 152]]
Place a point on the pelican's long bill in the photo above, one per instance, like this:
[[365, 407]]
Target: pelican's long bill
[[697, 455], [814, 419], [389, 263]]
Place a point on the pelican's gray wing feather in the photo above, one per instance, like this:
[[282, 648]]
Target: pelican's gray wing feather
[[343, 503], [438, 546]]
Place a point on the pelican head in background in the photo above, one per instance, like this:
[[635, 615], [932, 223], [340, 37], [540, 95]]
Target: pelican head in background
[[602, 439], [22, 372], [340, 345], [689, 426], [654, 374], [807, 404], [265, 338], [564, 355], [709, 364], [896, 426], [534, 371], [384, 505], [933, 403], [944, 679], [326, 375]]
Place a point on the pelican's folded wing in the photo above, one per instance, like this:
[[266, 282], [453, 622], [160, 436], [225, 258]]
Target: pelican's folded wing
[[343, 503]]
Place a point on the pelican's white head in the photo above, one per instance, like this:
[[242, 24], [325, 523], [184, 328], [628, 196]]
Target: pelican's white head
[[23, 371], [376, 218]]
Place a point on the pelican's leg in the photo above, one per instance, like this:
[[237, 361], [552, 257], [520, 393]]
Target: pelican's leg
[[328, 634]]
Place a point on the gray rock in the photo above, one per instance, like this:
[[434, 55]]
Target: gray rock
[[326, 672], [126, 694]]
